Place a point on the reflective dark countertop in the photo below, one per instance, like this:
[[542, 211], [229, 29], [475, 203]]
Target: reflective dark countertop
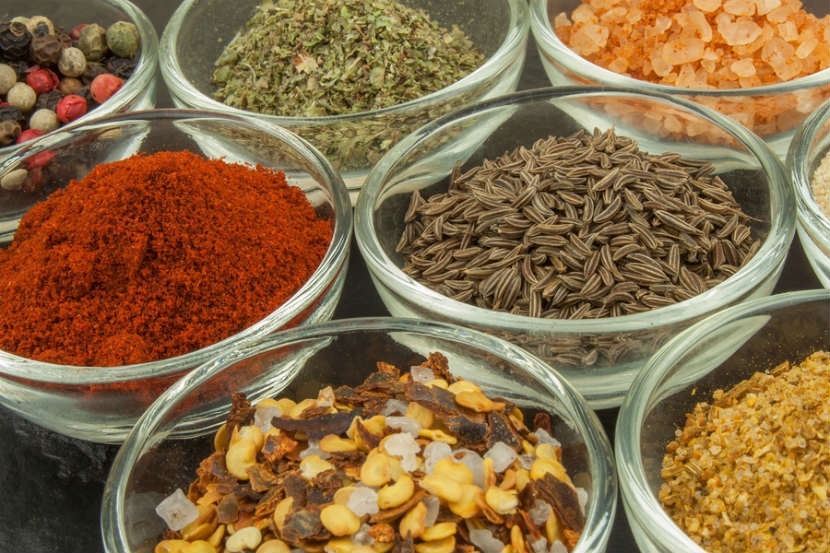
[[51, 486]]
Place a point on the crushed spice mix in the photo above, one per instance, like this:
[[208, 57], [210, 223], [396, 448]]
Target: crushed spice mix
[[413, 461], [750, 471]]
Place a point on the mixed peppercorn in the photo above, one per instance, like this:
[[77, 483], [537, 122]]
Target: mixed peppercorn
[[50, 77]]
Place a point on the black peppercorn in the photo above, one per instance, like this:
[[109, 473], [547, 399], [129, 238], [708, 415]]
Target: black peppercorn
[[49, 100], [11, 113], [46, 49], [14, 40], [93, 69], [121, 67]]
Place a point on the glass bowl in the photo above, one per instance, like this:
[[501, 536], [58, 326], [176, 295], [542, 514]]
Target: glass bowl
[[139, 91], [600, 357], [296, 363], [102, 403], [716, 353], [773, 112], [809, 145], [198, 31]]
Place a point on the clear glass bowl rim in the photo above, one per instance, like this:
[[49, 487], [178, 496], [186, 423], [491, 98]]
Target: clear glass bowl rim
[[311, 290], [809, 213], [549, 43], [769, 256], [650, 516], [602, 500], [141, 78], [181, 88]]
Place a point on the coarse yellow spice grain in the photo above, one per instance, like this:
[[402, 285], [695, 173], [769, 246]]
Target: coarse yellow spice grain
[[750, 471]]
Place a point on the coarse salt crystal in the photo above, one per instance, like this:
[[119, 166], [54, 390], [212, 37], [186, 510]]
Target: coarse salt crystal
[[394, 406], [177, 510], [433, 505], [582, 497], [363, 501], [264, 415], [404, 424], [683, 50], [313, 448], [434, 452], [763, 7], [403, 445], [421, 374], [741, 31], [502, 455], [743, 68], [558, 547], [484, 540], [707, 5], [545, 438], [540, 512], [472, 461], [540, 545], [362, 537], [739, 7]]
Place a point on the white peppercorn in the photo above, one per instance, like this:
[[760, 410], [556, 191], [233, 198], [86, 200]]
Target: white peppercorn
[[72, 62], [34, 21], [7, 78], [44, 120], [22, 96], [14, 180]]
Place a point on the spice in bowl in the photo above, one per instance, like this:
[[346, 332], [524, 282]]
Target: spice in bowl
[[750, 471], [48, 75], [820, 185], [418, 461], [708, 44], [152, 257], [587, 226]]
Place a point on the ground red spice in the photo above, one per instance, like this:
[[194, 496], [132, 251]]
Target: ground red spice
[[152, 257]]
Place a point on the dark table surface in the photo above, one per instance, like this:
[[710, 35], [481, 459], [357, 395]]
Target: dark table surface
[[51, 485]]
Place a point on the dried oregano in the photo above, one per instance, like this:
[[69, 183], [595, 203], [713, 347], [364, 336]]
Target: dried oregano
[[328, 57]]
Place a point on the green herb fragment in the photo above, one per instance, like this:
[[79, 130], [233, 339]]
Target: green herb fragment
[[329, 57]]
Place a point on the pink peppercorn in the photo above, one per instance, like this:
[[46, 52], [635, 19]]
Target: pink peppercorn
[[71, 107], [28, 134], [42, 80], [103, 86], [76, 31]]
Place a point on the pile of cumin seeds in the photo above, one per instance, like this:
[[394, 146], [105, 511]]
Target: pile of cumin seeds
[[587, 226]]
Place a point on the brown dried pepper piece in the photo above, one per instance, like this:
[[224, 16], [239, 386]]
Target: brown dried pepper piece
[[501, 431], [241, 411], [470, 432], [275, 447], [564, 501], [440, 366], [316, 428], [439, 401], [303, 524]]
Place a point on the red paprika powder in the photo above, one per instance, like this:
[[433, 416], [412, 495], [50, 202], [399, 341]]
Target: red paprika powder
[[152, 257]]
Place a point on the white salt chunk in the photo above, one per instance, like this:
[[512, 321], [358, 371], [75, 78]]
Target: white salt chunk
[[313, 448], [484, 540], [422, 374], [545, 438], [474, 462], [540, 512], [363, 501], [362, 537], [403, 445], [502, 455], [404, 424], [433, 505], [177, 510], [540, 545], [526, 460], [394, 406], [264, 415], [434, 452], [582, 496], [558, 547]]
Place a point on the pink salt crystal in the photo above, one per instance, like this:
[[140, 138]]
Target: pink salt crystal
[[619, 65], [561, 20], [743, 67], [747, 82], [806, 48], [739, 7], [634, 16], [583, 14], [613, 15], [742, 31], [777, 51], [763, 7], [177, 510], [683, 50], [790, 69], [707, 6], [787, 30], [698, 22], [780, 14], [661, 68], [589, 38], [662, 23], [686, 76], [672, 124]]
